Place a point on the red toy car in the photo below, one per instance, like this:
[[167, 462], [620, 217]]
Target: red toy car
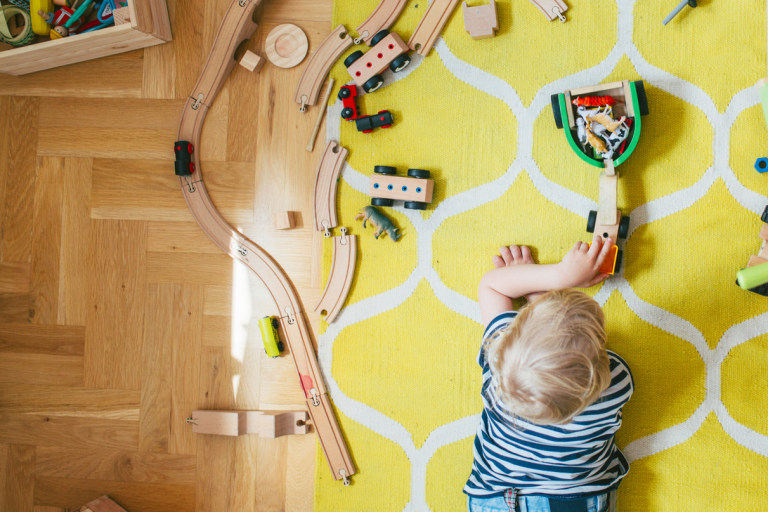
[[347, 95]]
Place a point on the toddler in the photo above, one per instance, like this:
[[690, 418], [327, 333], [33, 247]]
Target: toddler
[[552, 394]]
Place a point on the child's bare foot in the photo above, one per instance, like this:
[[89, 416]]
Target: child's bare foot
[[515, 255]]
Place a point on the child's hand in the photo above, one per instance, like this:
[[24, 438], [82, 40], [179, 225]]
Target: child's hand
[[515, 255], [579, 267]]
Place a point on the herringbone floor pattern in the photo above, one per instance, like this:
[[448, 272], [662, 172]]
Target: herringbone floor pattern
[[118, 317]]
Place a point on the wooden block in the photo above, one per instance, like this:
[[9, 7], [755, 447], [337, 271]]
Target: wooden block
[[284, 220], [481, 21], [252, 62], [102, 504]]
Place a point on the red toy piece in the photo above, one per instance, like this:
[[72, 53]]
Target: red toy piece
[[347, 95]]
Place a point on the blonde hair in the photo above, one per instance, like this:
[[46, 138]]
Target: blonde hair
[[550, 363]]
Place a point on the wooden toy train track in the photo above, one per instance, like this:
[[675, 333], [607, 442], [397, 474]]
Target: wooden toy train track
[[237, 26]]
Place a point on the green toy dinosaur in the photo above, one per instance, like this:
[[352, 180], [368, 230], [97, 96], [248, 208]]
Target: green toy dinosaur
[[379, 221]]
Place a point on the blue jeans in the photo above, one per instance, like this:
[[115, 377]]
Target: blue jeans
[[601, 503]]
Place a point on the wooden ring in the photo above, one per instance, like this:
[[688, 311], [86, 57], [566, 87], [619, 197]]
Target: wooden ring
[[286, 46]]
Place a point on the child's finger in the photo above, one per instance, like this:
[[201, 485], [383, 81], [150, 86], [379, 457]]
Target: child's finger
[[497, 261], [597, 244], [506, 255], [526, 253], [607, 245]]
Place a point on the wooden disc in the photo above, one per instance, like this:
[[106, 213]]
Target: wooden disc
[[286, 46]]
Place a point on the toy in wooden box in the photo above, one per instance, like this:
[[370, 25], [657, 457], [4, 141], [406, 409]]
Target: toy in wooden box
[[140, 24]]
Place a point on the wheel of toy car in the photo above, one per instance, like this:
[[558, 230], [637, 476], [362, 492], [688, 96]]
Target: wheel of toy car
[[380, 201], [418, 173], [555, 99], [415, 205], [347, 113], [400, 63], [591, 221], [373, 83], [641, 98], [764, 216], [385, 169], [344, 93], [381, 34], [624, 227], [619, 257], [352, 57]]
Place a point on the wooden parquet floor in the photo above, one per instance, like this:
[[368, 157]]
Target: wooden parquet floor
[[118, 317]]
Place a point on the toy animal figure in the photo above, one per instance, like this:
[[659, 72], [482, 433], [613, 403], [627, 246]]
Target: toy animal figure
[[379, 221]]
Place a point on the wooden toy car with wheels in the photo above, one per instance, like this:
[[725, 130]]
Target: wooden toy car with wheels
[[415, 190], [603, 127], [388, 50]]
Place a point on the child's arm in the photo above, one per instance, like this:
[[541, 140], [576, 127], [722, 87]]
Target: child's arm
[[578, 269]]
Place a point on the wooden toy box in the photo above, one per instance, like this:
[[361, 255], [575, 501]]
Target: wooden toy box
[[149, 25]]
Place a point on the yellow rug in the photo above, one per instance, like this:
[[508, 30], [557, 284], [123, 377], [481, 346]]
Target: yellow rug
[[400, 358]]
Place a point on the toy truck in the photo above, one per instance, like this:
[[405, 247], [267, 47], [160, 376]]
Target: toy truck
[[388, 49], [603, 127], [415, 190]]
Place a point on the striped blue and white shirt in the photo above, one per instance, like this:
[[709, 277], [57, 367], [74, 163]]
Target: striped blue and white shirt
[[578, 459]]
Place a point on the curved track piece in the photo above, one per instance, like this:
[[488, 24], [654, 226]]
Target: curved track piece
[[326, 180], [381, 18], [236, 27], [340, 278], [431, 25], [319, 65]]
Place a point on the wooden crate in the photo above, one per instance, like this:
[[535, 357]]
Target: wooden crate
[[149, 25]]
